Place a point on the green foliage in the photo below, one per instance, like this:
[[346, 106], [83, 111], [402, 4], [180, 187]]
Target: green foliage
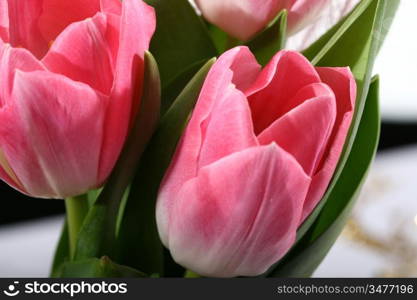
[[266, 44], [98, 268], [181, 38]]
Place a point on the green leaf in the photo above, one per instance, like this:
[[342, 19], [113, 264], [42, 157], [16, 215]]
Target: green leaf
[[354, 42], [139, 242], [172, 89], [98, 268], [219, 37], [266, 44], [308, 253], [92, 196], [62, 252], [98, 233], [181, 38]]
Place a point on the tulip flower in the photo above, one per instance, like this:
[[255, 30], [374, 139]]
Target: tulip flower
[[254, 160], [67, 70], [242, 19]]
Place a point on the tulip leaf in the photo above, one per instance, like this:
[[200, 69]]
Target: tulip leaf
[[266, 44], [308, 253], [62, 252], [354, 42], [173, 88], [98, 233], [138, 241], [98, 268], [181, 38], [219, 37]]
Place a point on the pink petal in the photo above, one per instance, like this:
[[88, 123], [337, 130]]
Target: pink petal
[[52, 134], [35, 24], [218, 93], [270, 96], [241, 18], [58, 14], [305, 131], [23, 26], [227, 129], [305, 12], [343, 84], [137, 25], [12, 59], [4, 21], [82, 53], [233, 219], [331, 14], [111, 6]]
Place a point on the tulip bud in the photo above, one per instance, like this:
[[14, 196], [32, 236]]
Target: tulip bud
[[67, 70], [255, 159], [242, 19]]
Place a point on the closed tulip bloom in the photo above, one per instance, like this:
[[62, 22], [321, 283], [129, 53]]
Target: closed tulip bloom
[[68, 72], [255, 158], [242, 19]]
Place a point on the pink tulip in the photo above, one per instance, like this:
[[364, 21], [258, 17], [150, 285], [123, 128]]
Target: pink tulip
[[244, 18], [67, 70], [255, 159]]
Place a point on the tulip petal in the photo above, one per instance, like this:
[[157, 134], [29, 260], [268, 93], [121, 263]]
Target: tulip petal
[[334, 11], [137, 25], [4, 21], [270, 96], [219, 90], [228, 129], [82, 53], [305, 131], [241, 19], [234, 219], [305, 12], [52, 134], [111, 6], [58, 14], [10, 60], [343, 84], [23, 29], [35, 24]]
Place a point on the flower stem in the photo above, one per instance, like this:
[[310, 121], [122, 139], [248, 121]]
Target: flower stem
[[191, 274], [77, 208]]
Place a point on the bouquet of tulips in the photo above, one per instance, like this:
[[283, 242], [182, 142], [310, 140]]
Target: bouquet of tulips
[[187, 139]]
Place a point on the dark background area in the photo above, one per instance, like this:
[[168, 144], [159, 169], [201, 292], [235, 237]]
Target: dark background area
[[17, 207]]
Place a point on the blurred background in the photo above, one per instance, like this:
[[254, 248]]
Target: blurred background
[[381, 236]]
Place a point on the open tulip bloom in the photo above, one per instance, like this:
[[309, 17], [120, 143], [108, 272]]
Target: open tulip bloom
[[254, 160], [243, 165], [67, 90]]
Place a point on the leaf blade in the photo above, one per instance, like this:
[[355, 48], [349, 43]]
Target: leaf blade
[[266, 44], [181, 38]]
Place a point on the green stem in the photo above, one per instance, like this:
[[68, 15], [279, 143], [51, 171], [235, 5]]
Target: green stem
[[191, 274], [77, 209]]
